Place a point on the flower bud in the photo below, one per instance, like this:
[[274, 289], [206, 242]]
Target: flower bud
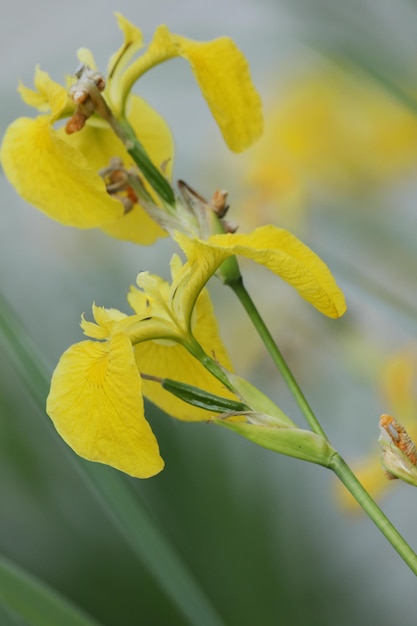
[[399, 454]]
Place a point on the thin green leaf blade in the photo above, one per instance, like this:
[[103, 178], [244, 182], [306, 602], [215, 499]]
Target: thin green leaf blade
[[112, 489], [35, 602], [202, 399]]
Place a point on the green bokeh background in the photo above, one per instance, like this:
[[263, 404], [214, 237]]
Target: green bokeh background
[[265, 536]]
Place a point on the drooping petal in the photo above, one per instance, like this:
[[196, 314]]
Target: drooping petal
[[275, 248], [223, 76], [96, 405], [53, 176]]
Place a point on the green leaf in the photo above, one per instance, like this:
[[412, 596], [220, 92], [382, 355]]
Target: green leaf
[[9, 618], [23, 596], [202, 399], [113, 490]]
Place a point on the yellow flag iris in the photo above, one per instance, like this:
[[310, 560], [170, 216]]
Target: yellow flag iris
[[96, 392], [96, 396], [59, 173]]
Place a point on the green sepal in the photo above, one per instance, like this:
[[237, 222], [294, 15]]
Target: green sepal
[[295, 442], [202, 399], [157, 181]]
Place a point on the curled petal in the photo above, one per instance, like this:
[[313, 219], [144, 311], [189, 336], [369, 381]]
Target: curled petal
[[53, 176], [96, 405], [133, 41], [275, 248], [105, 322], [47, 95]]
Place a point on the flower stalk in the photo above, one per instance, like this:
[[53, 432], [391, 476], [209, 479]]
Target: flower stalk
[[336, 462], [239, 289], [347, 477]]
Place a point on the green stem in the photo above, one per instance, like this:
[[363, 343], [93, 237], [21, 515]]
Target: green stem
[[138, 153], [337, 464], [240, 290], [345, 474], [210, 364]]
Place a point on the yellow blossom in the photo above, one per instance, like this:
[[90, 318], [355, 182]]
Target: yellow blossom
[[59, 173], [171, 335], [96, 392]]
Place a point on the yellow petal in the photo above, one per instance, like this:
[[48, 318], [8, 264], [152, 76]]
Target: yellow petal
[[135, 226], [53, 176], [223, 76], [133, 41], [96, 405], [275, 248], [84, 55], [105, 322], [47, 96]]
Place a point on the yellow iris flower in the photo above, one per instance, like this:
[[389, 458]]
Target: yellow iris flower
[[59, 173], [96, 392]]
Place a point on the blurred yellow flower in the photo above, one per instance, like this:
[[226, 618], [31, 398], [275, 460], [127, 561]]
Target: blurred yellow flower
[[332, 128], [59, 172]]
